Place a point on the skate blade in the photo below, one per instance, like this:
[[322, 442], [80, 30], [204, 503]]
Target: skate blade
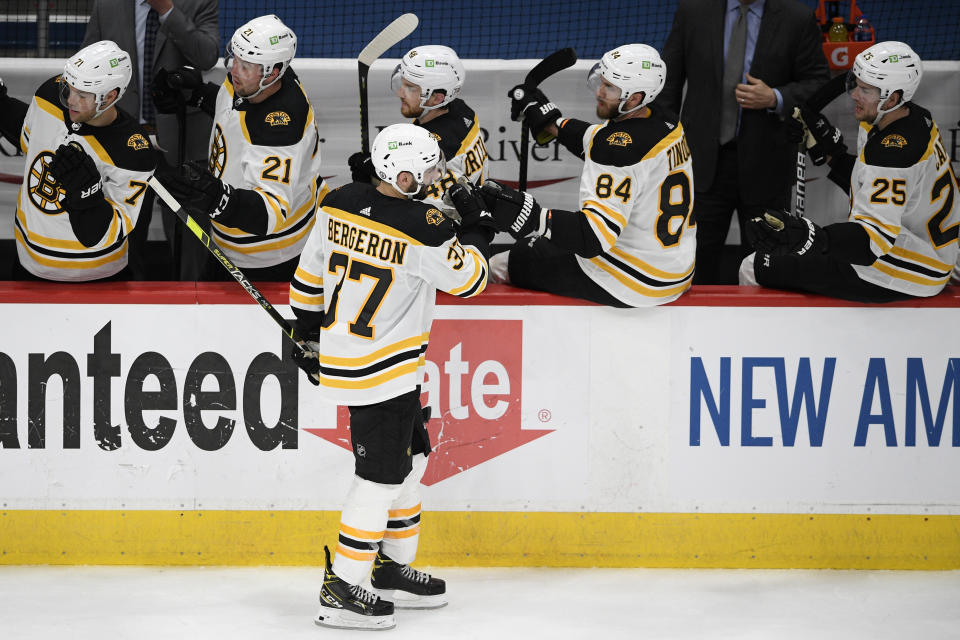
[[405, 600], [337, 619]]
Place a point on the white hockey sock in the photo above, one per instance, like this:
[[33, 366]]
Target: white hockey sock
[[499, 273], [362, 524], [403, 525], [748, 275]]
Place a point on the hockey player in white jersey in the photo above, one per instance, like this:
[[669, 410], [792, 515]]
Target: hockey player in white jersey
[[86, 170], [632, 242], [261, 184], [427, 81], [900, 237], [364, 296]]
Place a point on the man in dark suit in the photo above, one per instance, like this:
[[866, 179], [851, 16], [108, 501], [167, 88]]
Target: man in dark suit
[[171, 34], [735, 107]]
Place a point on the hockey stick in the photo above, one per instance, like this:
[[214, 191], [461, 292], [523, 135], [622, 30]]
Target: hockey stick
[[553, 63], [181, 159], [227, 264], [391, 35], [831, 90]]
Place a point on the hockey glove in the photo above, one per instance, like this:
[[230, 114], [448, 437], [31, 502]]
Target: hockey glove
[[78, 176], [199, 190], [165, 98], [515, 212], [308, 359], [534, 108], [824, 139], [361, 167], [466, 199], [778, 233]]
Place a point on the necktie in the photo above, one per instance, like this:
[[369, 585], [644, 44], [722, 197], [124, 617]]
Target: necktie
[[732, 74], [149, 40]]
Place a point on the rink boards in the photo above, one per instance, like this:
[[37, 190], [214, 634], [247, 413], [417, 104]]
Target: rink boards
[[156, 424]]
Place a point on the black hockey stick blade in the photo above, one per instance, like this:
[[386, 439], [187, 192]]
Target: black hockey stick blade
[[553, 63], [391, 35], [828, 92], [233, 269]]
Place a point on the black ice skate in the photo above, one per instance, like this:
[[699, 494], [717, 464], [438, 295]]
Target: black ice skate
[[349, 606], [405, 586]]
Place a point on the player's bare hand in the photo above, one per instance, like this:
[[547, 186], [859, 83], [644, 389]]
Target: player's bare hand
[[755, 94]]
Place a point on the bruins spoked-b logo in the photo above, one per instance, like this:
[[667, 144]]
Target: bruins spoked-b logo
[[218, 153], [44, 191]]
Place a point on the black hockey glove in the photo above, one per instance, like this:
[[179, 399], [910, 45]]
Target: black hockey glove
[[534, 108], [199, 190], [826, 138], [466, 199], [307, 359], [778, 233], [361, 167], [166, 99], [515, 212], [187, 78], [794, 131], [78, 175], [169, 86]]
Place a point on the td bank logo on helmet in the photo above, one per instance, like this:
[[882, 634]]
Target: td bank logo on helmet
[[473, 384]]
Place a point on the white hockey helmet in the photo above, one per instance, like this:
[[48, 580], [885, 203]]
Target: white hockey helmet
[[432, 67], [265, 41], [889, 66], [98, 69], [631, 68], [407, 147]]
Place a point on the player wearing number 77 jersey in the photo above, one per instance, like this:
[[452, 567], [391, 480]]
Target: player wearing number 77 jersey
[[632, 242], [364, 297]]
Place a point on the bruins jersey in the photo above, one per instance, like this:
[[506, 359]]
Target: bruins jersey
[[46, 243], [636, 193], [904, 194], [272, 148], [366, 282], [458, 133]]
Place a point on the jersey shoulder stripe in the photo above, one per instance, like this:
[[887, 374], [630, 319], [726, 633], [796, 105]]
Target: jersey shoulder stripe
[[48, 98], [904, 142], [627, 142], [282, 119]]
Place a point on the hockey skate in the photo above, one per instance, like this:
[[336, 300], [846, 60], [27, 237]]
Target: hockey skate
[[348, 606], [406, 587]]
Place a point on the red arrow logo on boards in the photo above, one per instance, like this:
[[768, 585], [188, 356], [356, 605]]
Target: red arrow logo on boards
[[475, 369]]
